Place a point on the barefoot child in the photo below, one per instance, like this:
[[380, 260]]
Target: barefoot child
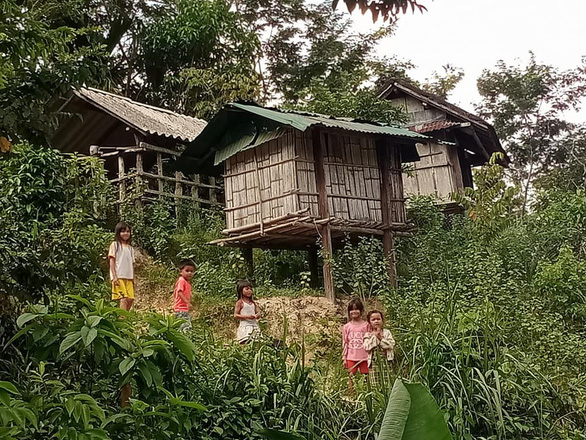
[[121, 256], [182, 293], [379, 344], [247, 312], [354, 355]]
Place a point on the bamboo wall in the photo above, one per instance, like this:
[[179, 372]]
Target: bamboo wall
[[438, 173], [265, 174], [281, 174]]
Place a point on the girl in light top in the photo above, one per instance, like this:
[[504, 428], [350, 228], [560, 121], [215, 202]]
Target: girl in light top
[[121, 256], [354, 355], [247, 312], [380, 345]]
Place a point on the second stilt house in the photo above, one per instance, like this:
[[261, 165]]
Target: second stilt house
[[300, 181]]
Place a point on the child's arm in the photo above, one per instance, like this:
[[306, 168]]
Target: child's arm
[[113, 269], [181, 295], [238, 309], [256, 311], [387, 342], [370, 341], [344, 345], [112, 260]]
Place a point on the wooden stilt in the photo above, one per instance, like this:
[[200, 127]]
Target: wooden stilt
[[319, 149], [327, 268], [385, 192], [249, 261], [389, 251], [313, 270]]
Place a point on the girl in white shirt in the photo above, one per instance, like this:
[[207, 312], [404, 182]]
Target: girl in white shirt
[[121, 256]]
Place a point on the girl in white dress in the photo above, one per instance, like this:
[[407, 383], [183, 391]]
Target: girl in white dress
[[247, 312]]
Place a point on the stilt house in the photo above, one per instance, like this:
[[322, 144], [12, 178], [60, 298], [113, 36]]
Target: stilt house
[[460, 141], [139, 144], [299, 180]]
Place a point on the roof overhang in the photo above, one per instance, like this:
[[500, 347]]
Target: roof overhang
[[238, 127]]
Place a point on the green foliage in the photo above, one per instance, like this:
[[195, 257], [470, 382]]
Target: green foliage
[[412, 414], [50, 231], [442, 84], [492, 203], [385, 9], [198, 57], [41, 58], [527, 105], [491, 318], [76, 354], [361, 269]]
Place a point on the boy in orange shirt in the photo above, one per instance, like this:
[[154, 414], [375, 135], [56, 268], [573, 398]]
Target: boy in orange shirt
[[182, 293]]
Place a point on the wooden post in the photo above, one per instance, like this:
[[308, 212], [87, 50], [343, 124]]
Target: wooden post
[[122, 182], [160, 186], [195, 190], [384, 163], [178, 191], [213, 195], [312, 260], [319, 141], [249, 261], [139, 181]]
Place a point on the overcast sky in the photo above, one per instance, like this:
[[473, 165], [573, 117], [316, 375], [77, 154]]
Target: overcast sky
[[475, 34]]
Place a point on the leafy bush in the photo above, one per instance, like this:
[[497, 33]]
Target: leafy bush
[[51, 224]]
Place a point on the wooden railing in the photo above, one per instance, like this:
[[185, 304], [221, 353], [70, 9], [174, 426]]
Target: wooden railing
[[157, 186]]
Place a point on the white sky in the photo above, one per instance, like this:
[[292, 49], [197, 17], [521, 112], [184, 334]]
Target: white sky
[[475, 34]]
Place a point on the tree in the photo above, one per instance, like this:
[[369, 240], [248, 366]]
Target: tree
[[38, 60], [527, 105], [198, 57], [387, 9], [442, 84]]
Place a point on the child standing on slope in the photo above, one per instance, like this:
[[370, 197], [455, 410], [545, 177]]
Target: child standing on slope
[[182, 293], [121, 256], [247, 312], [380, 345], [354, 355]]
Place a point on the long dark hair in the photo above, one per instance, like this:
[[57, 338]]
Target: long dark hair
[[122, 226], [355, 304], [240, 285]]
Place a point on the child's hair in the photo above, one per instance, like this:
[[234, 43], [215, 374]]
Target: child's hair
[[355, 304], [372, 312], [121, 226], [185, 263], [240, 285]]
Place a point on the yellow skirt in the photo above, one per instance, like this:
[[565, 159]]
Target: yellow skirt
[[124, 289]]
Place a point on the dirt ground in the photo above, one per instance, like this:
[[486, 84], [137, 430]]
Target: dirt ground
[[313, 319]]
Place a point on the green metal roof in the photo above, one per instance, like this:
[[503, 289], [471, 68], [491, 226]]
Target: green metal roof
[[302, 121], [238, 127]]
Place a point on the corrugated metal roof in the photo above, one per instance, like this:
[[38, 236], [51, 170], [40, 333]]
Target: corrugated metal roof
[[246, 142], [146, 118], [302, 121], [433, 126], [242, 126]]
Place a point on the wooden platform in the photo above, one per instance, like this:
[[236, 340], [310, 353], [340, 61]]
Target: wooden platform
[[302, 231]]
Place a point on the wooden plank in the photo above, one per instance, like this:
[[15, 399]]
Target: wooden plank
[[122, 185], [166, 194], [147, 146], [160, 183]]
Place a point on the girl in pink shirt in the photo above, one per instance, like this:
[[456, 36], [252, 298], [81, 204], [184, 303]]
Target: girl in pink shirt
[[355, 356]]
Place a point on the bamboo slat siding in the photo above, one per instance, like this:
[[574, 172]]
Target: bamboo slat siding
[[261, 178], [438, 173], [278, 178]]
